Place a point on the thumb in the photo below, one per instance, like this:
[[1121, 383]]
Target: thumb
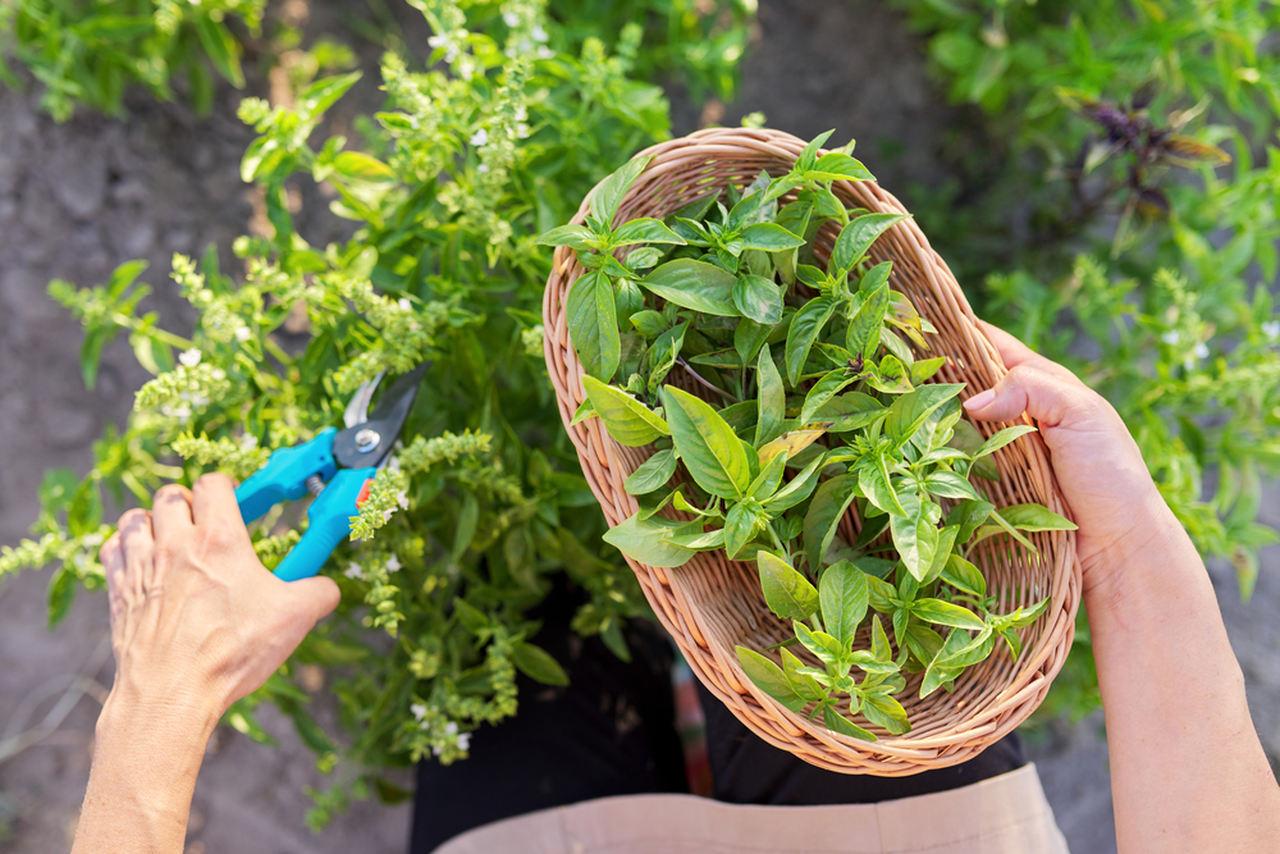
[[1049, 399], [314, 597]]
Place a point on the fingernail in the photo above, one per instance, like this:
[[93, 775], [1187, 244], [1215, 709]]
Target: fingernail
[[980, 400]]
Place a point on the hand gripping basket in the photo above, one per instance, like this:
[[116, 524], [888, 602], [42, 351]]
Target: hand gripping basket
[[711, 603]]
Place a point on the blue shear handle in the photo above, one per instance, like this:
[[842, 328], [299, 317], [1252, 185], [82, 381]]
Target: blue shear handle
[[284, 477], [329, 523]]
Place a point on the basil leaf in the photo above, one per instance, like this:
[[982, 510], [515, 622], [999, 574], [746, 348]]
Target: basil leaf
[[766, 482], [642, 540], [805, 328], [574, 236], [628, 421], [838, 723], [769, 678], [740, 526], [863, 335], [946, 484], [707, 445], [884, 711], [945, 613], [1002, 438], [797, 489], [850, 411], [1035, 517], [536, 663], [915, 533], [645, 230], [824, 646], [969, 515], [651, 474], [964, 576], [593, 325], [876, 485], [910, 411], [787, 593], [836, 165], [842, 595], [820, 393], [692, 284], [770, 237], [607, 196], [771, 398], [758, 299], [809, 156], [856, 238], [790, 443], [822, 518]]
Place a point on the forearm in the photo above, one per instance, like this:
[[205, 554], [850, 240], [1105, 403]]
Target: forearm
[[1187, 770], [145, 763]]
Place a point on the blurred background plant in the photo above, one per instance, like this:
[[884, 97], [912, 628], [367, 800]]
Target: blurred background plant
[[1112, 199]]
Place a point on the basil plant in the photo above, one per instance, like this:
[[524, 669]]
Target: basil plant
[[811, 400]]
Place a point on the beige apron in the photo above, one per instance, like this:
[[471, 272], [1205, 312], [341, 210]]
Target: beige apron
[[1002, 815]]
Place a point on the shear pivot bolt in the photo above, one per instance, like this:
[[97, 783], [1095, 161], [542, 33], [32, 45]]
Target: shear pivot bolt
[[366, 440]]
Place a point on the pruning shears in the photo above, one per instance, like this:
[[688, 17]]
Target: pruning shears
[[337, 467]]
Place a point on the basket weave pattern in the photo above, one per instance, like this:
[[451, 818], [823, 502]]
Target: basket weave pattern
[[711, 603]]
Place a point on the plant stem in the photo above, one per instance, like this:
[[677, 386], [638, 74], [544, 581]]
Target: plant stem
[[702, 380]]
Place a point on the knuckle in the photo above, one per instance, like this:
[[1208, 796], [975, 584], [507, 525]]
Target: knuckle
[[171, 492], [214, 478], [132, 518]]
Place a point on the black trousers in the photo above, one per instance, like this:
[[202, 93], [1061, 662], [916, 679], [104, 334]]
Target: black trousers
[[611, 731]]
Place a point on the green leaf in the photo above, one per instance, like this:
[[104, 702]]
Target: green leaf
[[60, 595], [573, 236], [805, 328], [766, 482], [609, 193], [876, 484], [645, 230], [969, 516], [1035, 517], [222, 49], [863, 335], [838, 723], [822, 518], [946, 484], [850, 411], [740, 526], [771, 401], [770, 237], [707, 445], [797, 489], [809, 156], [651, 474], [856, 238], [915, 533], [836, 165], [884, 711], [944, 613], [821, 644], [362, 167], [1002, 438], [820, 393], [593, 325], [963, 575], [769, 678], [758, 299], [536, 663], [842, 594], [787, 593], [692, 284], [642, 540], [628, 421], [910, 411]]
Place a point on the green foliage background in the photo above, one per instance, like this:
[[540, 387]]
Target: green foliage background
[[1070, 220]]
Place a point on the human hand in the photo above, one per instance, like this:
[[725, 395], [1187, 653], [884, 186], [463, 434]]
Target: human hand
[[1097, 464], [197, 622]]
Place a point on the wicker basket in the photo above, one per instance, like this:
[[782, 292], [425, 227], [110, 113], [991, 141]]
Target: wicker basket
[[710, 604]]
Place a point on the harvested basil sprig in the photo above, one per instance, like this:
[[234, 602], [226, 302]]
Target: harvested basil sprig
[[788, 389]]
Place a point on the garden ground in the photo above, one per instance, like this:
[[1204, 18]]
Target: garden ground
[[76, 199]]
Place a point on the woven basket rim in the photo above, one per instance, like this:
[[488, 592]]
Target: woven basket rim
[[972, 725]]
